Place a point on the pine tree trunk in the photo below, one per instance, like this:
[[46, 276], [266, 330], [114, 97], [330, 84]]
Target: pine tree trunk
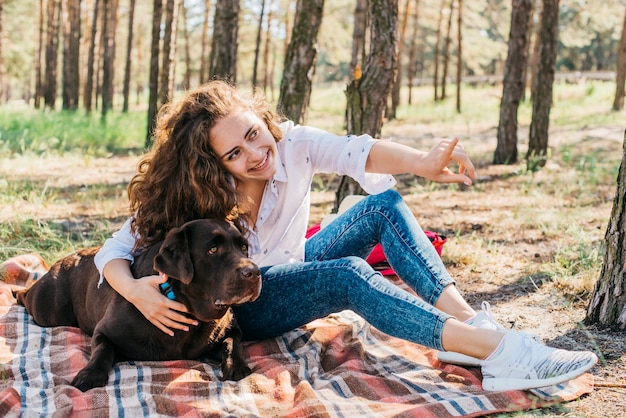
[[71, 49], [607, 306], [367, 95], [89, 78], [513, 84], [204, 61], [542, 102], [153, 83], [38, 84], [223, 59], [52, 47], [295, 87], [437, 51], [412, 69], [168, 65], [257, 49], [459, 60], [129, 48], [397, 84], [108, 69], [618, 102], [446, 53]]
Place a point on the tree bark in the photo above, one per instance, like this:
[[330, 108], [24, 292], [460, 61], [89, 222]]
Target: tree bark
[[618, 102], [295, 87], [204, 60], [513, 84], [38, 84], [397, 84], [108, 69], [459, 54], [129, 61], [412, 70], [89, 78], [153, 84], [437, 52], [257, 49], [52, 47], [542, 103], [223, 61], [607, 306], [446, 53], [71, 55], [358, 35], [166, 89], [367, 95]]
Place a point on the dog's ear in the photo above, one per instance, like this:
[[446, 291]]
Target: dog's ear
[[174, 258]]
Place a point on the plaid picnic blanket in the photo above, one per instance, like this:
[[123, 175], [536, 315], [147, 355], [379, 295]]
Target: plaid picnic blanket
[[338, 366]]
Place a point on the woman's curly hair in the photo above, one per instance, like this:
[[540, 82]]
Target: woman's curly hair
[[182, 178]]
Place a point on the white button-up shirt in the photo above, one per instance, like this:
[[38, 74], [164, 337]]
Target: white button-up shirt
[[279, 234]]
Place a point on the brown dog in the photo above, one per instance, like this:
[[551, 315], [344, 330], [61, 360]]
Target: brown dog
[[209, 270]]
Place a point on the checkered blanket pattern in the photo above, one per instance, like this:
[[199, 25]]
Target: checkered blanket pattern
[[335, 367]]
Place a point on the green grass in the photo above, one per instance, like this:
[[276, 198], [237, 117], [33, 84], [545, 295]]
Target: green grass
[[24, 130]]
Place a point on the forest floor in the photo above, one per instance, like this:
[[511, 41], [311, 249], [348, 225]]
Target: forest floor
[[510, 236]]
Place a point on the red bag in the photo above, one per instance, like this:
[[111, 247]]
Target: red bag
[[377, 258]]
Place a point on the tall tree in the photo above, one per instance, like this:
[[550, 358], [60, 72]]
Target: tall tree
[[166, 88], [223, 58], [358, 35], [89, 79], [52, 48], [397, 84], [295, 87], [412, 68], [513, 84], [187, 77], [268, 69], [437, 51], [109, 27], [368, 94], [607, 306], [38, 84], [257, 49], [542, 102], [71, 55], [129, 49], [204, 43], [446, 52], [618, 102], [153, 84], [459, 54]]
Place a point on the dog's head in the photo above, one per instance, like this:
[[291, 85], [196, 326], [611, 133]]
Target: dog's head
[[208, 260]]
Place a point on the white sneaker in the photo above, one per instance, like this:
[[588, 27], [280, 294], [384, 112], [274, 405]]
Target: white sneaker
[[485, 320], [521, 362]]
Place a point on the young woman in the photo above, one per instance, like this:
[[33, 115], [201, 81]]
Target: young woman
[[219, 154]]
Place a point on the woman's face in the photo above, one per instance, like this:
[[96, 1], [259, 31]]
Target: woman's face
[[245, 146]]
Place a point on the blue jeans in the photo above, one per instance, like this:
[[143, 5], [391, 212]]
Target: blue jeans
[[335, 277]]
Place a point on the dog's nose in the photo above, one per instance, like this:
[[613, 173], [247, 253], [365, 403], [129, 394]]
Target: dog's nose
[[251, 272]]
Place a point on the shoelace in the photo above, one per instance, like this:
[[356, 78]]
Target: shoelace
[[486, 307]]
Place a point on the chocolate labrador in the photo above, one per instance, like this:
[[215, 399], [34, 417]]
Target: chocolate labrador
[[209, 270]]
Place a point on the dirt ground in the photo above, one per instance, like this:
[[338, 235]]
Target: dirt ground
[[502, 233]]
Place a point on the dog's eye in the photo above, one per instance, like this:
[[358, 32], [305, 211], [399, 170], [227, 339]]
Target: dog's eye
[[213, 250], [244, 248]]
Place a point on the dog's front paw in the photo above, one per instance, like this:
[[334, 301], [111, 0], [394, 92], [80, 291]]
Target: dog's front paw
[[235, 371], [89, 379]]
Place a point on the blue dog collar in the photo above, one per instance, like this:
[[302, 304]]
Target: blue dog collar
[[166, 289]]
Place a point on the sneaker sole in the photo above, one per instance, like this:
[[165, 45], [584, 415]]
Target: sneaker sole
[[503, 384], [458, 359]]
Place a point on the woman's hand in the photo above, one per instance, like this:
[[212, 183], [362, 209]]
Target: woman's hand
[[394, 158], [435, 163], [163, 313]]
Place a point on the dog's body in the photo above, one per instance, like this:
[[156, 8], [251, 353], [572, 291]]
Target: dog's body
[[209, 271]]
